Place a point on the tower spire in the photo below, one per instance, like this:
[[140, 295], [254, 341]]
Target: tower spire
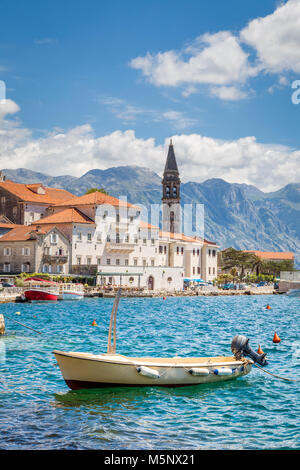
[[171, 193]]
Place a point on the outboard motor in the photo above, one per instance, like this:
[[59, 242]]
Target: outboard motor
[[240, 347]]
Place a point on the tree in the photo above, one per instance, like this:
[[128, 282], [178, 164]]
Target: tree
[[93, 190]]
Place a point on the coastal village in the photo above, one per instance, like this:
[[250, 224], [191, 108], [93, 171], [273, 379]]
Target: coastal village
[[101, 240]]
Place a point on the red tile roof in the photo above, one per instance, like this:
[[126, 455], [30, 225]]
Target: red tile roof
[[96, 198], [277, 255], [23, 192], [69, 215], [20, 233]]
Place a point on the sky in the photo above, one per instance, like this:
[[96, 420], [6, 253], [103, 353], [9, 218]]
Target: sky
[[95, 84]]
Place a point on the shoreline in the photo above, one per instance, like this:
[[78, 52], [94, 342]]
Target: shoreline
[[16, 298]]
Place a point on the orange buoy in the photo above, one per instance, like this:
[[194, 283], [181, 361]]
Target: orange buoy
[[164, 298], [94, 323], [268, 307], [259, 351], [276, 338]]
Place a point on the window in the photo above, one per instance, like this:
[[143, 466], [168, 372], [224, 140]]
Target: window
[[98, 261], [6, 267], [108, 238], [209, 252], [135, 262], [177, 250], [25, 267], [198, 252], [89, 237], [193, 270], [88, 261], [117, 217], [79, 237], [152, 241], [53, 238], [78, 259], [160, 249], [152, 262], [135, 239], [117, 237], [7, 251], [194, 252], [214, 252], [99, 237], [60, 268], [108, 261], [198, 270], [45, 268], [126, 262], [131, 219], [127, 238], [144, 262], [182, 250], [117, 262], [31, 216], [165, 249], [145, 241], [3, 199], [26, 251]]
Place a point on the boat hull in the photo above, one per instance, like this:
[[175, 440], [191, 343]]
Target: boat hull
[[72, 296], [38, 295], [82, 370]]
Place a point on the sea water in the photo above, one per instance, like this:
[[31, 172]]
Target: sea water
[[258, 411]]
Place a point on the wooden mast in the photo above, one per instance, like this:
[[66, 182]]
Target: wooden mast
[[111, 348]]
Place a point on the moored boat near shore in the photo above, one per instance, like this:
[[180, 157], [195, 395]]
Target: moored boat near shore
[[40, 290], [71, 291], [85, 370]]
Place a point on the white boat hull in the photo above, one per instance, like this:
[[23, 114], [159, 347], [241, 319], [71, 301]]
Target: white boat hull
[[82, 370], [72, 296]]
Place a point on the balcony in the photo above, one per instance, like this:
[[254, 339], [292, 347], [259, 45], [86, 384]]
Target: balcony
[[57, 259], [114, 247]]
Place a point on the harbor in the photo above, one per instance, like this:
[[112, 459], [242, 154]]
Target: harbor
[[36, 398]]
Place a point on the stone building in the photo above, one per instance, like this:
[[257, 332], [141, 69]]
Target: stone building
[[27, 203], [34, 249]]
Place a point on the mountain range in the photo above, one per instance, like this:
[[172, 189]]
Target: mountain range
[[236, 215]]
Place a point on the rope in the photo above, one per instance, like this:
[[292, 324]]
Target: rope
[[23, 325], [274, 375]]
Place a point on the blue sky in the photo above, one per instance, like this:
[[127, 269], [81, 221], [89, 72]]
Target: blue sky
[[95, 69]]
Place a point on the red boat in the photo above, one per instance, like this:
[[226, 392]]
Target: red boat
[[41, 290]]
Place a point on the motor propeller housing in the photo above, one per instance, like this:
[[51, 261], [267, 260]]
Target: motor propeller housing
[[240, 347]]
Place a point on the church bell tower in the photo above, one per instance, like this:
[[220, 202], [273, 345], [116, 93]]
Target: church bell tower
[[171, 213]]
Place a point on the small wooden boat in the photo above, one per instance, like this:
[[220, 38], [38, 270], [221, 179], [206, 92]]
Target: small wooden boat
[[41, 290], [85, 370], [71, 291]]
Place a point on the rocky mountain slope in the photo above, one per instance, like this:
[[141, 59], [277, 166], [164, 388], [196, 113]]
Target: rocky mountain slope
[[236, 215]]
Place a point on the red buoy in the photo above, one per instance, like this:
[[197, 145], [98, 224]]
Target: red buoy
[[94, 323], [259, 351], [268, 307], [276, 338]]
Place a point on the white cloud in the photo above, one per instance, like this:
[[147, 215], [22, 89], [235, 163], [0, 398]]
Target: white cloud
[[8, 106], [228, 93], [220, 60], [276, 38], [215, 59], [129, 113], [78, 150]]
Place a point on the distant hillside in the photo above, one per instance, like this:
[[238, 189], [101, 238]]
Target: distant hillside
[[236, 215]]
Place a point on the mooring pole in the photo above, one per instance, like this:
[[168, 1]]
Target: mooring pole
[[111, 348], [2, 324]]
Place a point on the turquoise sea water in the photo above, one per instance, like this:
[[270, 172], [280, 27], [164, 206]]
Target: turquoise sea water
[[37, 410]]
